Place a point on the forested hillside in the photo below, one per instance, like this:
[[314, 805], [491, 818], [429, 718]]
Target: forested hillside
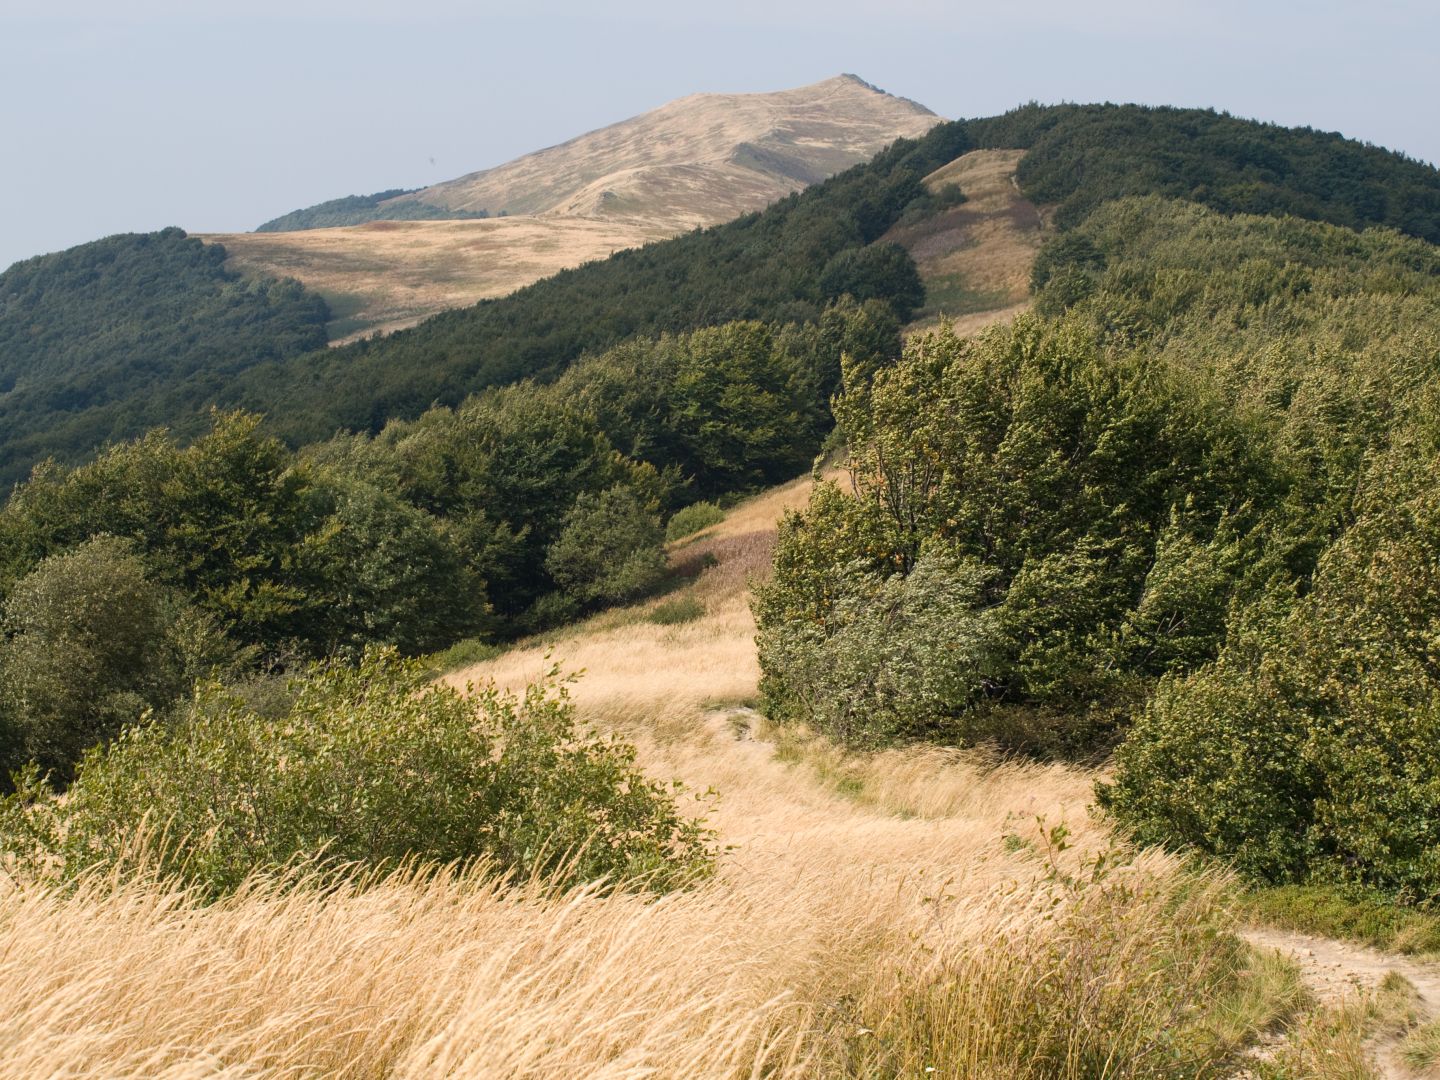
[[100, 342], [1183, 509], [1087, 633], [774, 264], [781, 265], [358, 209], [1173, 438]]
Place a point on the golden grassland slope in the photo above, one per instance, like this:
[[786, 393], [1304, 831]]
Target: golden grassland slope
[[975, 258], [387, 275], [698, 161], [887, 915]]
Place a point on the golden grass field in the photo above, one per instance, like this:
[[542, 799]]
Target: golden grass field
[[892, 915], [975, 258], [387, 275]]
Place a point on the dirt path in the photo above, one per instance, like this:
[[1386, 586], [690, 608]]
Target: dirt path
[[1334, 970]]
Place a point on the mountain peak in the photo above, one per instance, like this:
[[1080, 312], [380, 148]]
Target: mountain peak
[[695, 161]]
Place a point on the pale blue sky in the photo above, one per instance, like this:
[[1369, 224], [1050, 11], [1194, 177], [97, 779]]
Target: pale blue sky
[[135, 114]]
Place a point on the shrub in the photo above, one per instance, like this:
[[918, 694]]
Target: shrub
[[609, 549], [90, 643], [673, 612], [371, 765], [1092, 488], [1309, 751], [895, 655], [692, 519], [882, 271], [462, 654]]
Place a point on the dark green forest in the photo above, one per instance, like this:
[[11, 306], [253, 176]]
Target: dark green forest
[[358, 209], [100, 342]]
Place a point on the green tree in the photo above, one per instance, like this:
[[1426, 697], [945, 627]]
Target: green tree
[[610, 549], [90, 642]]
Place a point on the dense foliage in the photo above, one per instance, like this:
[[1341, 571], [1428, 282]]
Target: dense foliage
[[100, 342], [1310, 749], [1059, 501], [88, 643], [1080, 156], [691, 519], [358, 209], [372, 765], [1188, 506], [283, 556]]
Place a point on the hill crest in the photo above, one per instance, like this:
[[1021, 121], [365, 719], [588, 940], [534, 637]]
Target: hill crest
[[695, 161]]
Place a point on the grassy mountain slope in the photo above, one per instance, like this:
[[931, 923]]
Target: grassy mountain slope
[[388, 275], [974, 258], [698, 161], [104, 340]]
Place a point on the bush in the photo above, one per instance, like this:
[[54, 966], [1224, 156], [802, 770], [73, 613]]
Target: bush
[[1309, 751], [462, 654], [89, 644], [692, 519], [895, 656], [371, 765], [1104, 497], [609, 550], [877, 272], [673, 612]]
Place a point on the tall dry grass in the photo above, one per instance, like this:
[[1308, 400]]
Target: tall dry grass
[[924, 919]]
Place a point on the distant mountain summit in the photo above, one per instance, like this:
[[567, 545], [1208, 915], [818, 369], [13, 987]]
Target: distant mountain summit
[[701, 160]]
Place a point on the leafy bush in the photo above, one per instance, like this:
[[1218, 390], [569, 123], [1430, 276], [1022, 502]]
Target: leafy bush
[[681, 610], [1309, 751], [463, 654], [692, 519], [1079, 485], [877, 272], [88, 643], [894, 656], [372, 766], [609, 550]]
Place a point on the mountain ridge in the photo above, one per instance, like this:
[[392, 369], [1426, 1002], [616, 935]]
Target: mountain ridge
[[704, 157]]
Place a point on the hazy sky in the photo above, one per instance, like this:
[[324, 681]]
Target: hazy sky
[[123, 115]]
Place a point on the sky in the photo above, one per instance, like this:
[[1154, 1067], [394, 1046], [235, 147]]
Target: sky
[[130, 115]]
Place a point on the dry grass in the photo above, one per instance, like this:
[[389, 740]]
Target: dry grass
[[919, 922], [387, 275], [696, 161], [975, 258]]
